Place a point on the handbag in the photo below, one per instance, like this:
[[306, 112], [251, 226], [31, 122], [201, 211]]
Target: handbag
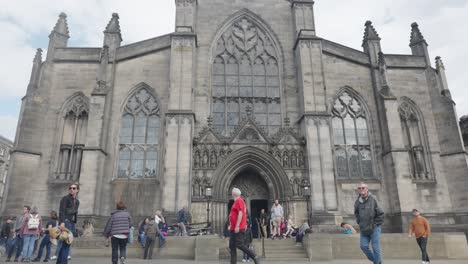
[[131, 235]]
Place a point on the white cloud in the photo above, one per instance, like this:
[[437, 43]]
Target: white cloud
[[442, 22], [26, 23]]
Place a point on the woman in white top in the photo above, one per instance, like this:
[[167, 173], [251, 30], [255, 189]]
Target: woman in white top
[[290, 228], [159, 218]]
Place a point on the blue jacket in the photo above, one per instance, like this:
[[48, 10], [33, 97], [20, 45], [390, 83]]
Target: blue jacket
[[182, 216]]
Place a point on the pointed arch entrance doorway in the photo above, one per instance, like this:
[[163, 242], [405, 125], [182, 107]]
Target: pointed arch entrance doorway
[[254, 191], [260, 177]]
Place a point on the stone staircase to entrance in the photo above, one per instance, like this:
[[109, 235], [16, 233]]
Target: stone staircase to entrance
[[281, 250], [275, 250]]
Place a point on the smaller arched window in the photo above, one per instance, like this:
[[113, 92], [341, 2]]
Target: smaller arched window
[[75, 125], [351, 138], [415, 143], [139, 137]]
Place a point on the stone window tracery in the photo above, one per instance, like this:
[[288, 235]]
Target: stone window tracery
[[139, 137], [245, 74], [413, 139], [351, 139], [75, 125]]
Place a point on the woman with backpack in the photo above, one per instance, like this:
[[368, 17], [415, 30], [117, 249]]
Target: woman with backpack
[[118, 228], [32, 223]]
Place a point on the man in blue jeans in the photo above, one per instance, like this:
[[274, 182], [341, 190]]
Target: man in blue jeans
[[68, 214], [370, 217], [17, 242]]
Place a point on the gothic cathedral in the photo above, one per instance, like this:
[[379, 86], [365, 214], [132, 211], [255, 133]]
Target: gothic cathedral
[[248, 96]]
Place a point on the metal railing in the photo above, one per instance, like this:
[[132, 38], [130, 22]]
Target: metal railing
[[260, 232]]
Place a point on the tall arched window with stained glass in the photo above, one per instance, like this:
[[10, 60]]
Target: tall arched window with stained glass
[[139, 137], [351, 138], [245, 73]]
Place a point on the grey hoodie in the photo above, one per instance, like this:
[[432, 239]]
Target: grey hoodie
[[368, 213]]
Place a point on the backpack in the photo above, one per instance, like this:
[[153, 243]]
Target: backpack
[[33, 222]]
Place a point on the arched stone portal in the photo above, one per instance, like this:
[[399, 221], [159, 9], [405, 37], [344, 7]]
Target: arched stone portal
[[268, 175]]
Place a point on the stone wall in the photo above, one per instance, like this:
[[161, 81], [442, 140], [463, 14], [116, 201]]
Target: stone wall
[[441, 246]]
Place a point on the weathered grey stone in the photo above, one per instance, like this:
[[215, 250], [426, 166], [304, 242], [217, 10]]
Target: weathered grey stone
[[282, 89]]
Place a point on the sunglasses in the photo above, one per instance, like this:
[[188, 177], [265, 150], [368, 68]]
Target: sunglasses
[[362, 188], [73, 188]]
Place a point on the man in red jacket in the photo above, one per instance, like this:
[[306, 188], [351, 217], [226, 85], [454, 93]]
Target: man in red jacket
[[237, 227]]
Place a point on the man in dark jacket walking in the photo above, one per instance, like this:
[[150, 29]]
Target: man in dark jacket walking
[[370, 217], [68, 214], [118, 229]]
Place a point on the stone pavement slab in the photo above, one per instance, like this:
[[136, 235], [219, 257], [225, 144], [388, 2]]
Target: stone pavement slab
[[79, 260]]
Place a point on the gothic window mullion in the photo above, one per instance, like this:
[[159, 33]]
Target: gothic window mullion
[[410, 147], [225, 98], [267, 102], [358, 148], [346, 150], [70, 165]]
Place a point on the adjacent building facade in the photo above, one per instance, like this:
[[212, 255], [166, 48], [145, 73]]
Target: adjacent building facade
[[5, 147], [247, 96]]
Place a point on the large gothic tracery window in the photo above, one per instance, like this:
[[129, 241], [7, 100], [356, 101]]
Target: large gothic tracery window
[[351, 137], [139, 137], [413, 139], [245, 74], [75, 125]]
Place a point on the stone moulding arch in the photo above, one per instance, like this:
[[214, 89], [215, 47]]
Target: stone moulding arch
[[262, 24], [255, 159], [137, 88]]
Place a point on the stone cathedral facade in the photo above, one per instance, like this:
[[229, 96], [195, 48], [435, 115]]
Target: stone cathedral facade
[[243, 93]]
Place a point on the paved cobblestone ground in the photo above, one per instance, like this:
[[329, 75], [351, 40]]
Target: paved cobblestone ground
[[163, 261]]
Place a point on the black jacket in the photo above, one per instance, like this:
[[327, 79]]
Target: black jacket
[[6, 231], [368, 213], [69, 209]]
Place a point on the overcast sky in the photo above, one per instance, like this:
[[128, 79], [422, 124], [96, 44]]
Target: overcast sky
[[26, 24]]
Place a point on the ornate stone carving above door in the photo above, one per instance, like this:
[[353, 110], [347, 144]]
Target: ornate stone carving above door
[[251, 184]]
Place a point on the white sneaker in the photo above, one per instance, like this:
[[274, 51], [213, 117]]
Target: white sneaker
[[69, 258], [244, 260], [53, 258]]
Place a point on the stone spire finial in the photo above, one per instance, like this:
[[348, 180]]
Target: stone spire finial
[[385, 90], [61, 27], [38, 56], [416, 35], [370, 33], [440, 67], [439, 64], [112, 35], [37, 63], [113, 26]]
